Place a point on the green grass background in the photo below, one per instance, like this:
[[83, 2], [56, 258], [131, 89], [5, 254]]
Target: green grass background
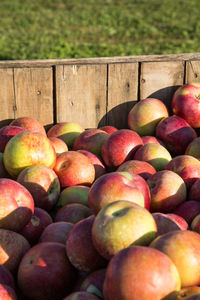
[[43, 29]]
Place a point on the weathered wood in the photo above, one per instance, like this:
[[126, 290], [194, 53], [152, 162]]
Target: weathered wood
[[160, 80], [122, 92], [34, 93], [81, 94], [99, 60], [192, 71], [7, 97]]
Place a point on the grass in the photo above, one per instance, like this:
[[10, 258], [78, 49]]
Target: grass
[[43, 29]]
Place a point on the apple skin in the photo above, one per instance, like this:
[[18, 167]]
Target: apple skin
[[30, 124], [151, 139], [155, 154], [185, 103], [168, 190], [176, 134], [121, 224], [186, 166], [56, 232], [182, 246], [195, 225], [133, 274], [27, 149], [194, 192], [73, 194], [166, 223], [112, 187], [6, 133], [138, 167], [80, 248], [7, 292], [43, 184], [120, 147], [193, 148], [108, 128], [74, 168], [66, 131], [6, 277], [16, 205], [3, 172], [13, 247], [145, 115], [59, 145], [38, 222], [187, 293], [99, 167], [81, 296], [93, 283], [188, 210], [72, 213], [45, 272]]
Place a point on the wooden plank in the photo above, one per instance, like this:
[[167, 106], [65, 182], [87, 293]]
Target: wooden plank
[[34, 93], [122, 92], [192, 72], [81, 94], [160, 80], [7, 98], [99, 60]]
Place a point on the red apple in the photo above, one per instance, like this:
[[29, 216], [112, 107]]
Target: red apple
[[168, 190], [66, 131], [6, 277], [73, 194], [142, 168], [58, 144], [120, 147], [194, 192], [30, 124], [80, 249], [193, 148], [188, 210], [93, 283], [148, 139], [108, 128], [176, 134], [91, 140], [74, 168], [56, 232], [112, 187], [7, 292], [6, 133], [140, 273], [43, 184], [145, 115], [185, 103], [81, 296], [16, 205], [13, 247], [121, 224], [72, 213], [27, 149], [45, 272]]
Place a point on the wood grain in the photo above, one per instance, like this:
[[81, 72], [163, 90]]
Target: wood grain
[[122, 92], [160, 80], [192, 71], [34, 93], [81, 94]]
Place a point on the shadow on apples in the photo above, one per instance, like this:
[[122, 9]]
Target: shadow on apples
[[5, 122]]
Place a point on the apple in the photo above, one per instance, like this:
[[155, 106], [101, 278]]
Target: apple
[[38, 222], [145, 115], [185, 103], [7, 292], [73, 194], [91, 140], [72, 213], [195, 225], [56, 232], [58, 144], [66, 131], [93, 283], [188, 210], [99, 167], [74, 168], [27, 149], [16, 205], [112, 187], [80, 248], [13, 247], [121, 224], [6, 277], [155, 154], [81, 296], [168, 190], [142, 168], [108, 128], [176, 134], [139, 272], [3, 172], [43, 184], [182, 246], [6, 133], [194, 192], [186, 166], [193, 148], [119, 147], [30, 124], [45, 272], [151, 139]]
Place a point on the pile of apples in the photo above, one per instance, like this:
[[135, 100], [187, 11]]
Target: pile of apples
[[103, 213]]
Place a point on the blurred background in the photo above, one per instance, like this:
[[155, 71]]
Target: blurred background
[[44, 29]]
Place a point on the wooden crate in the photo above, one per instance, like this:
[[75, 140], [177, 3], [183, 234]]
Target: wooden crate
[[93, 91]]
